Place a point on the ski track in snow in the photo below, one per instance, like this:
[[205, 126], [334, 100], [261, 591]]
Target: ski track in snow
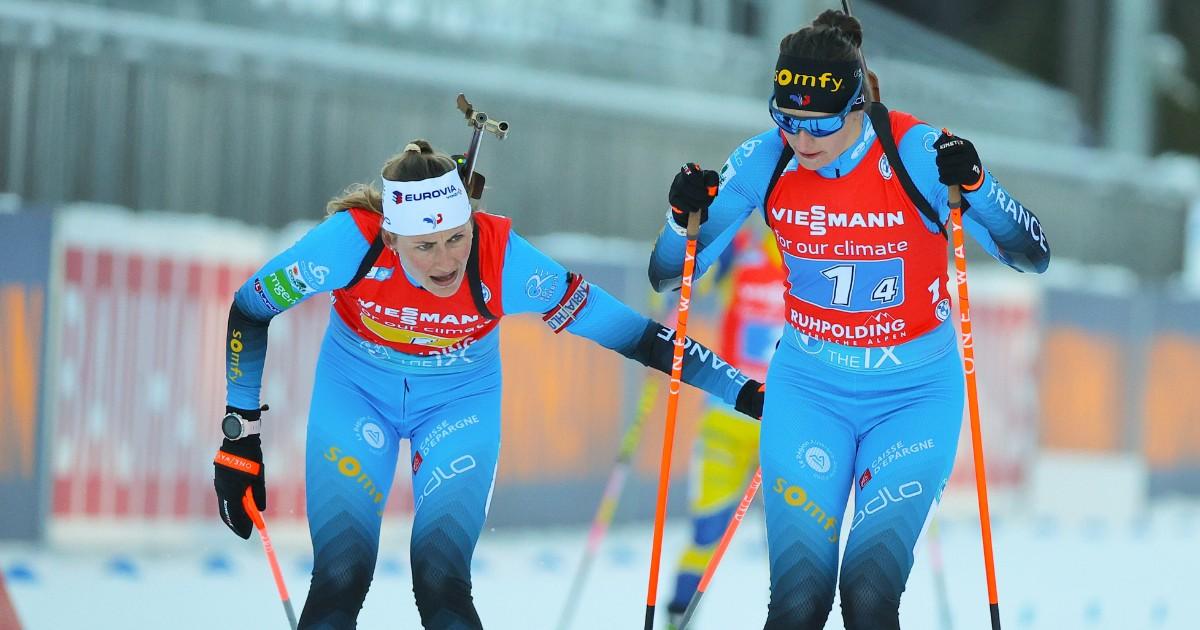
[[1051, 575]]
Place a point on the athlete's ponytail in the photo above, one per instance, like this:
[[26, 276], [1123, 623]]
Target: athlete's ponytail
[[418, 161], [832, 36]]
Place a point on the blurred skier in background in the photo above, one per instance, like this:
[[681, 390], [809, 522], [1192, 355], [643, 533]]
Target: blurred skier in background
[[725, 453]]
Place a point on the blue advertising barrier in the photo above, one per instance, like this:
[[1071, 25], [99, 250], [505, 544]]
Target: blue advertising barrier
[[25, 260]]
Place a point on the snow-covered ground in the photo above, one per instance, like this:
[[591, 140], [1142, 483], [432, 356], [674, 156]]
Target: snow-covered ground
[[1052, 575]]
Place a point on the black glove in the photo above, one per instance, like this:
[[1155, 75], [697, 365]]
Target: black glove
[[693, 190], [237, 466], [958, 162], [750, 399], [477, 182]]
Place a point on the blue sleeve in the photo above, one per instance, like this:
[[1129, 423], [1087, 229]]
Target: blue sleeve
[[744, 178], [532, 281], [535, 283], [610, 323], [1004, 228], [324, 259]]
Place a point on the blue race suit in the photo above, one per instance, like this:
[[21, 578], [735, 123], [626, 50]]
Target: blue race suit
[[368, 396], [881, 419]]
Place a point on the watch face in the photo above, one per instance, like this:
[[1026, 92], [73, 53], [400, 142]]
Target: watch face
[[231, 426]]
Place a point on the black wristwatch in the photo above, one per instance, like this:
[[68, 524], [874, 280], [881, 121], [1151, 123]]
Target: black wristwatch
[[235, 427]]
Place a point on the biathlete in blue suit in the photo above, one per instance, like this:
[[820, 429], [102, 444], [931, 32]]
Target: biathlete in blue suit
[[865, 391], [419, 283]]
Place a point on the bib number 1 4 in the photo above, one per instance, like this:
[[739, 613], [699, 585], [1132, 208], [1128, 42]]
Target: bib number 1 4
[[859, 286], [885, 291]]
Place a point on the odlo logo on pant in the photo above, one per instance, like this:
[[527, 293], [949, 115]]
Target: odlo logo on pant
[[885, 497], [797, 496], [457, 467]]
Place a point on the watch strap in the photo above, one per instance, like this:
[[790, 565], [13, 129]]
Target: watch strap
[[247, 427], [253, 427]]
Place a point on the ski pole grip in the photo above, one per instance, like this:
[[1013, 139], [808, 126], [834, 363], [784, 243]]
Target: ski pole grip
[[693, 226], [252, 509], [954, 196]]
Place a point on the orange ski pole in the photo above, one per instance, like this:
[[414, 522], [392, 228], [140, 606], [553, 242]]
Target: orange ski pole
[[968, 349], [8, 614], [664, 470], [257, 517]]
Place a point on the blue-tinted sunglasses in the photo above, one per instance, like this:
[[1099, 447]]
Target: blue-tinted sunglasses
[[818, 127]]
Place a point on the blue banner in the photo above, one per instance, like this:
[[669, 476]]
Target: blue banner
[[25, 251]]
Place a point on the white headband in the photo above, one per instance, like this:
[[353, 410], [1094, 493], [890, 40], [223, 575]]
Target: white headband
[[426, 206]]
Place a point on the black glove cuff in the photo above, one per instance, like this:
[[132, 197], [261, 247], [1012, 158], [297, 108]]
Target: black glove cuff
[[750, 399], [249, 414], [249, 447]]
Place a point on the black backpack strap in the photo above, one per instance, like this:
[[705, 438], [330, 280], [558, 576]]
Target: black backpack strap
[[784, 158], [882, 123], [368, 260], [473, 279]]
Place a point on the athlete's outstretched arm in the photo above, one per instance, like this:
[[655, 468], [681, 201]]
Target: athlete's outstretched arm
[[1009, 231], [743, 180], [324, 259], [534, 282]]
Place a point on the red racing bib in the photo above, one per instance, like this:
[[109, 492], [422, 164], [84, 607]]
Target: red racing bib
[[862, 268], [750, 326], [385, 308]]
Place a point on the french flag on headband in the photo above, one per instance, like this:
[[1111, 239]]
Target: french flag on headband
[[425, 206]]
